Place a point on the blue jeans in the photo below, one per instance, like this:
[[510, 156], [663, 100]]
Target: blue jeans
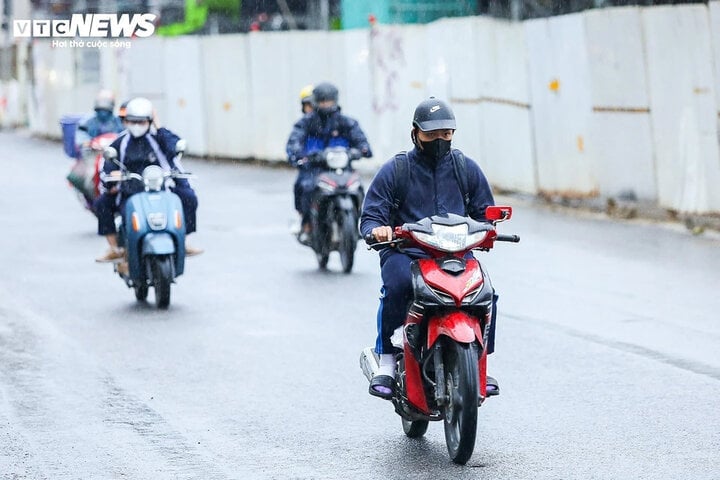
[[303, 190]]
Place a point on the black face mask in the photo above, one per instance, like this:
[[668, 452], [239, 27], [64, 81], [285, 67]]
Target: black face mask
[[436, 149], [327, 111]]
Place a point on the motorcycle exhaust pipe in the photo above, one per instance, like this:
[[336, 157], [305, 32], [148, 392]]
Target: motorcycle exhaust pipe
[[369, 362]]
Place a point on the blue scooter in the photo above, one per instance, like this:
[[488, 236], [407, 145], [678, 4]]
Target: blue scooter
[[151, 230]]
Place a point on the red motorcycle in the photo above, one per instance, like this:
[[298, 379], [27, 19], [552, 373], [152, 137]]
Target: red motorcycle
[[84, 175], [441, 371]]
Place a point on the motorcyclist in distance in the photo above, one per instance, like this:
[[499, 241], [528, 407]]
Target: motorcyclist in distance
[[138, 148], [122, 113], [324, 127], [103, 121]]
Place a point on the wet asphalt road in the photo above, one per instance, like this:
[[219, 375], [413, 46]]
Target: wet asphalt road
[[608, 348]]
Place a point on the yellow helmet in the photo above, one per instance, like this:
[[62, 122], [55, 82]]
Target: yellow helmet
[[306, 94]]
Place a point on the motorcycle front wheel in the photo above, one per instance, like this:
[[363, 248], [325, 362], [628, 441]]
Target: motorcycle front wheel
[[348, 241], [141, 292], [162, 278], [461, 408], [415, 428]]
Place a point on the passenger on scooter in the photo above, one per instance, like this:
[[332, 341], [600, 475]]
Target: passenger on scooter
[[103, 121], [122, 113], [432, 188], [323, 127], [306, 99], [137, 149]]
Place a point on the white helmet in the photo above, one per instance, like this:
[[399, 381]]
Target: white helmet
[[104, 100], [139, 109]]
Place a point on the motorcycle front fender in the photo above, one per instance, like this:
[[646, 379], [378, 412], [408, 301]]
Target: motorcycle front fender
[[344, 203], [458, 325]]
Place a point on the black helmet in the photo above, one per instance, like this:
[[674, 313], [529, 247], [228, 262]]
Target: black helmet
[[433, 114], [325, 91]]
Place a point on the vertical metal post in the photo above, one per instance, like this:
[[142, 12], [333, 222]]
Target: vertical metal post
[[516, 10], [325, 14], [6, 40]]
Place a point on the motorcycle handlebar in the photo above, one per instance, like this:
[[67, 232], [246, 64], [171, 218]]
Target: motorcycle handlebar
[[373, 244], [121, 178], [508, 238], [319, 157]]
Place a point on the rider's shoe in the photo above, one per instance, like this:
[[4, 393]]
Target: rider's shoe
[[112, 255], [192, 251], [383, 382], [123, 268], [492, 387], [382, 386], [304, 238]]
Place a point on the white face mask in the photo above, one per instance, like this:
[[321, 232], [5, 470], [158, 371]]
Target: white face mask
[[137, 130]]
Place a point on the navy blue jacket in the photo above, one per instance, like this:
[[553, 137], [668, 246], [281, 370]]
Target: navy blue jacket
[[432, 190], [139, 154], [313, 134]]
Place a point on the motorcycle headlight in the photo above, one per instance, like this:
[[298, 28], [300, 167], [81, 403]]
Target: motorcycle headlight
[[153, 177], [157, 220], [337, 159], [450, 238]]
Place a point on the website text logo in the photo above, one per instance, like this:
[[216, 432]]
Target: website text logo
[[92, 25]]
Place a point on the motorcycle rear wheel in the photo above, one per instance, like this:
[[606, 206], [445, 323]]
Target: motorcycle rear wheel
[[461, 409], [162, 278], [348, 241]]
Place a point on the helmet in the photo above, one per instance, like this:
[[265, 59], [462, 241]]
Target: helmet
[[433, 114], [104, 100], [122, 112], [306, 94], [325, 91], [139, 109]]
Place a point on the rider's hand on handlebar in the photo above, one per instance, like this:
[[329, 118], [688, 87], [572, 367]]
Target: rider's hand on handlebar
[[382, 234]]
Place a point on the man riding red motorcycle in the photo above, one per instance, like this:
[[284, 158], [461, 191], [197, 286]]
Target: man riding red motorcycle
[[433, 185], [428, 209]]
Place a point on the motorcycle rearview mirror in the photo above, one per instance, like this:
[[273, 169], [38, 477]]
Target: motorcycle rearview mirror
[[498, 213], [110, 154], [180, 146]]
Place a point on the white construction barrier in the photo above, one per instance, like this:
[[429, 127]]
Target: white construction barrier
[[684, 107], [561, 105], [504, 100], [611, 102], [620, 132]]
